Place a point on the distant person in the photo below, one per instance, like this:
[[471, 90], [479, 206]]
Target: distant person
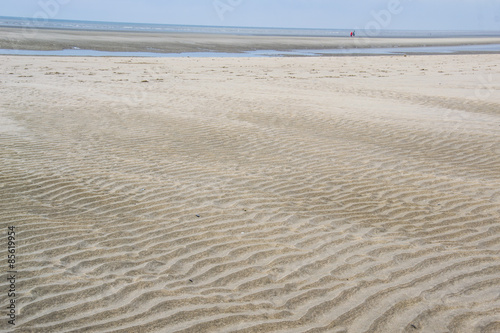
[[352, 33]]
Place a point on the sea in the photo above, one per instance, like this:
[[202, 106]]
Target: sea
[[244, 31]]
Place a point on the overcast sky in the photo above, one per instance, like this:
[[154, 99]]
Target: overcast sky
[[345, 14]]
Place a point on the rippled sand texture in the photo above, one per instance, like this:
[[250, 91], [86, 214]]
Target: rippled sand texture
[[253, 195]]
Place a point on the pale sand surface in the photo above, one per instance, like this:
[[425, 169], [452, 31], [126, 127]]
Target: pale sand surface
[[46, 39], [252, 195]]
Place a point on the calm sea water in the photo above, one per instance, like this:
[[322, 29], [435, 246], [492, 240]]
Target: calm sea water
[[494, 48], [140, 27]]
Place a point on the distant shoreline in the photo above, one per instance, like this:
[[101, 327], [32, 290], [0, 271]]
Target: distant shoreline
[[431, 35], [169, 43], [103, 26]]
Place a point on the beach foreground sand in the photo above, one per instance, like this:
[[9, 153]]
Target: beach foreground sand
[[357, 194]]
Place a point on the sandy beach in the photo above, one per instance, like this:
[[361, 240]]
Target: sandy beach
[[47, 39], [334, 194]]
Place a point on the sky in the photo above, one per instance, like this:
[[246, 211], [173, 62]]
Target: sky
[[324, 14]]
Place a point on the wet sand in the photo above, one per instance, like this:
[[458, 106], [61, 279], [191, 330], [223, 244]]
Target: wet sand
[[45, 39], [357, 194]]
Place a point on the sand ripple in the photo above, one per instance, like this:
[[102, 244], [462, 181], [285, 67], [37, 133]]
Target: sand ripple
[[264, 195]]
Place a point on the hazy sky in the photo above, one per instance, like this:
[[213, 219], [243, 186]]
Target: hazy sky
[[345, 14]]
